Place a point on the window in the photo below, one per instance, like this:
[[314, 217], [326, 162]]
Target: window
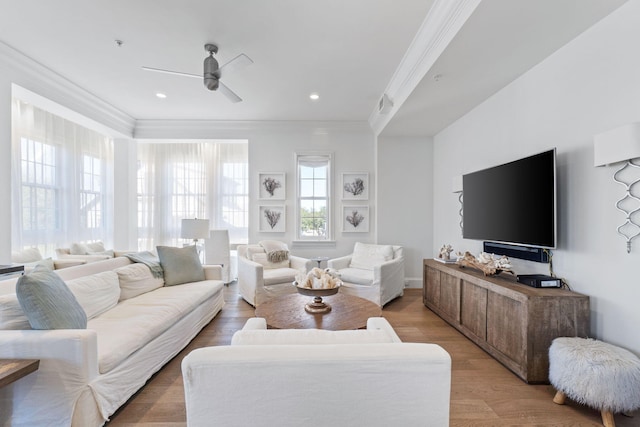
[[62, 177], [204, 179], [314, 183]]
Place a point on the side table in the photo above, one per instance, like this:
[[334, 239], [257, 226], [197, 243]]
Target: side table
[[13, 369]]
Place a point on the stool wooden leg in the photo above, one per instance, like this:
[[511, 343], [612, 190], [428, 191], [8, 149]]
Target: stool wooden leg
[[559, 398], [607, 419]]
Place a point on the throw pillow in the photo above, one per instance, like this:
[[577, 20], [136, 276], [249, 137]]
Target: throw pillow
[[366, 256], [263, 259], [96, 293], [276, 250], [180, 265], [27, 255], [137, 279], [47, 301]]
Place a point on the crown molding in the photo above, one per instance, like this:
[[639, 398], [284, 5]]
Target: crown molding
[[233, 129], [442, 23], [35, 77]]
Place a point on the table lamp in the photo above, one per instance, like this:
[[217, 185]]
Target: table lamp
[[195, 229]]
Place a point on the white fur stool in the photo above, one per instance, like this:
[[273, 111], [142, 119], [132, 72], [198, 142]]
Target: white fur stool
[[596, 374]]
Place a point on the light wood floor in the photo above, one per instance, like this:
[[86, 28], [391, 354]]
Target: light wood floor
[[483, 392]]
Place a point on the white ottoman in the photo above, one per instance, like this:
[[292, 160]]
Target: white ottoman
[[594, 373]]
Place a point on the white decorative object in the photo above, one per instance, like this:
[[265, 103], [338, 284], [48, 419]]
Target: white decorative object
[[485, 262], [272, 186], [355, 219], [272, 219], [457, 188], [445, 254], [355, 186], [622, 144]]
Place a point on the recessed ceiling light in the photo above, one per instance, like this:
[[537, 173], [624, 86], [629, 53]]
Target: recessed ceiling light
[[161, 95], [314, 96]]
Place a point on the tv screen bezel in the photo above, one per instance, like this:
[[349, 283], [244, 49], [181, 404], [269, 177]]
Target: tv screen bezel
[[555, 203]]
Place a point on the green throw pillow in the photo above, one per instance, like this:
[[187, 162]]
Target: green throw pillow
[[47, 301], [180, 265]]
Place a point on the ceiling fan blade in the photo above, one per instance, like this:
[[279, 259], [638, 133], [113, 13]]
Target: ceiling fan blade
[[236, 63], [222, 88], [177, 73]]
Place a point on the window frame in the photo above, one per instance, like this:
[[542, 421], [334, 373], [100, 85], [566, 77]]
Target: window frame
[[328, 156]]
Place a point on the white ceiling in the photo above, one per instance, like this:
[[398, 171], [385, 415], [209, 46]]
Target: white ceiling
[[346, 50]]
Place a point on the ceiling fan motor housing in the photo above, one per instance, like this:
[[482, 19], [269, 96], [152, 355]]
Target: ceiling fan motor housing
[[211, 72]]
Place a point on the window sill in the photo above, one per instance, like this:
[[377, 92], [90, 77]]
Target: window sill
[[314, 243]]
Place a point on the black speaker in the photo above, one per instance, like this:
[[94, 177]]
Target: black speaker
[[515, 251]]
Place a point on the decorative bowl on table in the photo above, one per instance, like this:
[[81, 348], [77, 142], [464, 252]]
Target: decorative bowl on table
[[317, 305]]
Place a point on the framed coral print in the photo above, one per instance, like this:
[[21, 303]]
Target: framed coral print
[[272, 186], [355, 186], [355, 219], [272, 219]]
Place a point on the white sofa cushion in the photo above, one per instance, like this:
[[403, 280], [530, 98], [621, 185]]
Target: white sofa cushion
[[133, 323], [96, 293], [136, 279], [366, 256], [96, 248], [11, 314], [274, 276], [308, 336], [357, 276]]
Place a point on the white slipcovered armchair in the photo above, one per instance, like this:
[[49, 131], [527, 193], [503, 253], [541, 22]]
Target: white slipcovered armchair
[[373, 272], [317, 378], [264, 271]]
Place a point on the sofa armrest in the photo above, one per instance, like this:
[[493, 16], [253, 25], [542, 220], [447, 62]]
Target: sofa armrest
[[250, 271], [255, 323], [67, 262], [380, 323], [212, 272], [339, 263], [68, 363], [300, 263]]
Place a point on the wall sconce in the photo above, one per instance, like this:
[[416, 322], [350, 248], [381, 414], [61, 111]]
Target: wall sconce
[[622, 144], [195, 229], [457, 188]]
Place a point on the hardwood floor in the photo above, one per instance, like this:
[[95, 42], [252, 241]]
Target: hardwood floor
[[483, 392]]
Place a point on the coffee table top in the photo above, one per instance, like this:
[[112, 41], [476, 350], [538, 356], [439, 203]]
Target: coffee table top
[[347, 312]]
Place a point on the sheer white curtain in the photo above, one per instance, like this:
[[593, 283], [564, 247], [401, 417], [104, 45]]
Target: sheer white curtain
[[62, 181], [176, 180]]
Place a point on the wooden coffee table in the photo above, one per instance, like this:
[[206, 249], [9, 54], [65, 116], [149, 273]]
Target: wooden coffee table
[[347, 312]]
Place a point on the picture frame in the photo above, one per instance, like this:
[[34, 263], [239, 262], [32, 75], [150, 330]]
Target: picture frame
[[355, 219], [355, 186], [272, 219], [272, 186]]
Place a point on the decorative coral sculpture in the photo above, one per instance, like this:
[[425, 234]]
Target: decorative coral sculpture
[[485, 262]]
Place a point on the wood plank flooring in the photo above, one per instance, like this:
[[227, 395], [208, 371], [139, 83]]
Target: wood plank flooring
[[483, 392]]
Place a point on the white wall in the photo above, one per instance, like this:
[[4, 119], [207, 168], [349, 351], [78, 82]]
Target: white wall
[[589, 86], [405, 197], [272, 147]]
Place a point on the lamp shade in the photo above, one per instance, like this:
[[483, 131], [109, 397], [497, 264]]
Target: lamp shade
[[195, 229], [617, 145]]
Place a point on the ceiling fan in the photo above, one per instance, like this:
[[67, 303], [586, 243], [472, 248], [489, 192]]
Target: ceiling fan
[[213, 73]]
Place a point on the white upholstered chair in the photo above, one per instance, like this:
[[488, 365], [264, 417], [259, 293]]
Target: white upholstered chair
[[217, 251], [260, 279], [373, 272], [317, 378]]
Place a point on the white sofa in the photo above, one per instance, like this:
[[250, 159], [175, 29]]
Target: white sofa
[[310, 377], [260, 280], [85, 375], [374, 272]]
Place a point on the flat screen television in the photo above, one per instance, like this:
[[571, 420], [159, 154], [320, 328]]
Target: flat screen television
[[512, 203]]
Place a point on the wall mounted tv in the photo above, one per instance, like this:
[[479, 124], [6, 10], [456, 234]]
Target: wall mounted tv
[[513, 203]]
